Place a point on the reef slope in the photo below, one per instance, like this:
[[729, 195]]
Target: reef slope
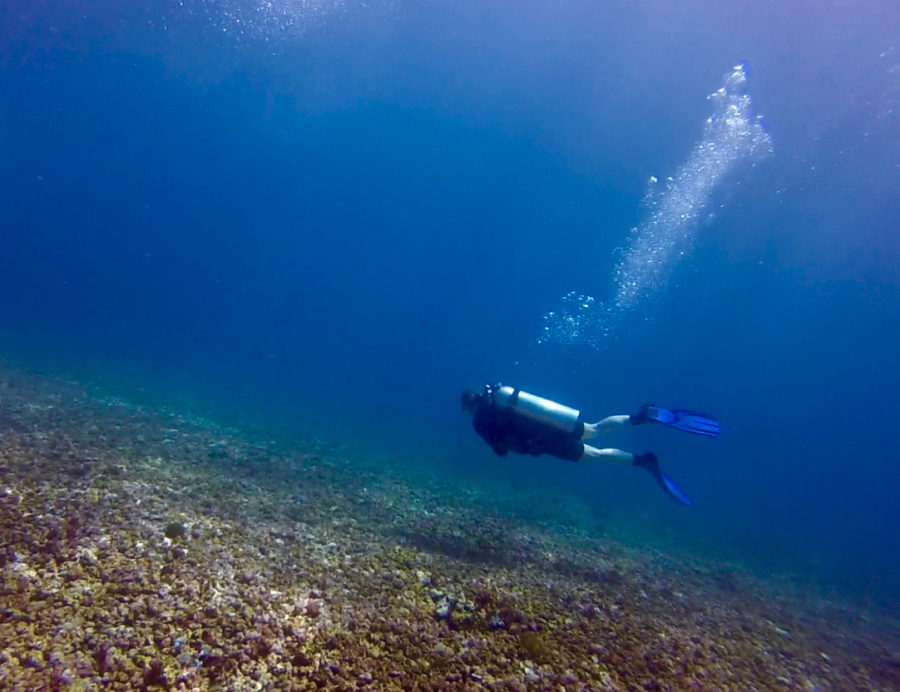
[[141, 548]]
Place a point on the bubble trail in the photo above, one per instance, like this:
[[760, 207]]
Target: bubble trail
[[731, 136], [265, 20]]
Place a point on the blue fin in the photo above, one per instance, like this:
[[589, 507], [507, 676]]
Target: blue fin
[[673, 490], [651, 463], [682, 419]]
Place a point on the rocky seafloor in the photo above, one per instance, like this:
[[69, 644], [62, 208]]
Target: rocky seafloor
[[141, 548]]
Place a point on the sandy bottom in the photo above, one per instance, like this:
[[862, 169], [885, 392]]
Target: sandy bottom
[[145, 549]]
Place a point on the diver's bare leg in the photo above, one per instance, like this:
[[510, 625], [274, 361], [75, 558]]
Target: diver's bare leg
[[614, 456], [608, 424]]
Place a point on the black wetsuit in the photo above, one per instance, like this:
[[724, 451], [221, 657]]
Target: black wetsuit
[[505, 429]]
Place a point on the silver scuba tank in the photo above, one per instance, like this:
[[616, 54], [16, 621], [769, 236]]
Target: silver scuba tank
[[538, 409]]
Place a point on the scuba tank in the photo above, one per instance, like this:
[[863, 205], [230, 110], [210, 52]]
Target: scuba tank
[[563, 418]]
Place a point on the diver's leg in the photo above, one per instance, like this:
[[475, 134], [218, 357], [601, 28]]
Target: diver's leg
[[608, 424], [615, 456]]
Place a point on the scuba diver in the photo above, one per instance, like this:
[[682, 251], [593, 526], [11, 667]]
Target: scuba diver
[[510, 419]]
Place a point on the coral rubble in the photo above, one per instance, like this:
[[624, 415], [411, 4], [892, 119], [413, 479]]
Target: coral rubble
[[141, 548]]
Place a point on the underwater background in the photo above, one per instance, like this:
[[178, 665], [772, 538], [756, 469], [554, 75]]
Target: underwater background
[[327, 219]]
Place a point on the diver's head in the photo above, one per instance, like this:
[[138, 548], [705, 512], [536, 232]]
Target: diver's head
[[470, 400]]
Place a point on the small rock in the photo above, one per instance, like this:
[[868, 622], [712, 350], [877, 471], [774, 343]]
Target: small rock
[[87, 556], [443, 608], [155, 674], [175, 530], [442, 649], [35, 660], [301, 659]]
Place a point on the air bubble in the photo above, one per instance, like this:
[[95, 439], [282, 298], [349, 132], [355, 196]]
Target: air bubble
[[673, 214]]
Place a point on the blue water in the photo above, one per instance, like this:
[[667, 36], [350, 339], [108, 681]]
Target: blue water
[[331, 217]]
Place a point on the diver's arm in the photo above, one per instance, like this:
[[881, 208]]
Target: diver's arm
[[608, 424], [488, 424]]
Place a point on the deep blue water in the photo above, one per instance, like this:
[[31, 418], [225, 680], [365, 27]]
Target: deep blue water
[[336, 217]]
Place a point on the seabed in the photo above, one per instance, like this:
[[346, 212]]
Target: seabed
[[141, 548]]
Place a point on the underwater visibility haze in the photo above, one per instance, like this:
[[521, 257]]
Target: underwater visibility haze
[[326, 219]]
